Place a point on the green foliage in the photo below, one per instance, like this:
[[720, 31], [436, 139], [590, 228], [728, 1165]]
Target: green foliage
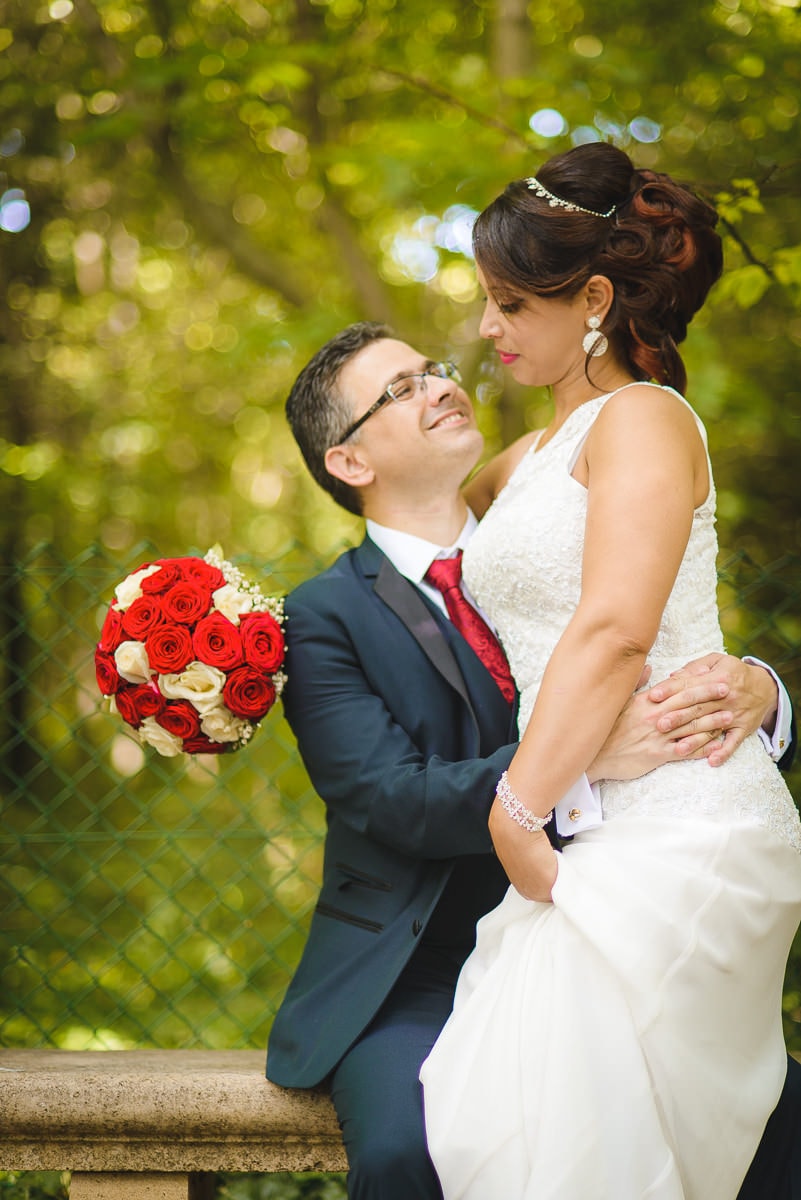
[[788, 271], [282, 1186], [215, 187], [34, 1185], [54, 1185], [745, 286]]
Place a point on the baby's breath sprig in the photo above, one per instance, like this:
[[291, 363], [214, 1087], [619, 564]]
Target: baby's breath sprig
[[274, 605]]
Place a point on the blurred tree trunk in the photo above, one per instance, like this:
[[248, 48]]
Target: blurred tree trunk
[[333, 220], [511, 55]]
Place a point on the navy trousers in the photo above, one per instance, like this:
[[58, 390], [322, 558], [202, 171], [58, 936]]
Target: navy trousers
[[376, 1091], [775, 1173]]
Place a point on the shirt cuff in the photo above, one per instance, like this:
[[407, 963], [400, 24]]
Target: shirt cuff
[[777, 744], [579, 809]]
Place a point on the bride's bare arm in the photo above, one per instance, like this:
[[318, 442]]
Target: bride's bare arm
[[645, 469]]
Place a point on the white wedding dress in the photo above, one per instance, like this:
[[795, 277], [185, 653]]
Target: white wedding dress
[[625, 1041]]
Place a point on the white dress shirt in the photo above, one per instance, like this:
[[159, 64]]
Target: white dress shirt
[[779, 741]]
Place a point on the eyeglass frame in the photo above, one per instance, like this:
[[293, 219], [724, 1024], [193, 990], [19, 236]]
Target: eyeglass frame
[[449, 370]]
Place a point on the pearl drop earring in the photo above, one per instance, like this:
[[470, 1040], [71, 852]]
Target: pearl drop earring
[[594, 343]]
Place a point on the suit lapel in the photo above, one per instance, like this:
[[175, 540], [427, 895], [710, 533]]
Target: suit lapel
[[407, 604]]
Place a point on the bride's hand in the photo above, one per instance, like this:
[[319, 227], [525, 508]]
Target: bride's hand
[[528, 859]]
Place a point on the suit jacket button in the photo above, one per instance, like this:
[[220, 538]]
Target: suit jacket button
[[417, 927]]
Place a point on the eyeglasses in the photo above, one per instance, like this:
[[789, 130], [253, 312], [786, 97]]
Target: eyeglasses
[[405, 388]]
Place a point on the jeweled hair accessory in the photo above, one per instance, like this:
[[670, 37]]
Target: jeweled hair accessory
[[539, 189]]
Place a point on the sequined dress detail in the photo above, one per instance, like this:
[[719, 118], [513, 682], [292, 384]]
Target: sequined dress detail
[[626, 1040]]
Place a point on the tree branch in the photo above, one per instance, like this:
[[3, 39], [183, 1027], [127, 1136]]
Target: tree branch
[[425, 85], [217, 226], [735, 236]]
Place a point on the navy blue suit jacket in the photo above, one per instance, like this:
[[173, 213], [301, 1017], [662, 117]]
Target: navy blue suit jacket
[[787, 759], [404, 735]]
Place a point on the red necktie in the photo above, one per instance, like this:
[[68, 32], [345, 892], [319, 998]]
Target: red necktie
[[445, 574]]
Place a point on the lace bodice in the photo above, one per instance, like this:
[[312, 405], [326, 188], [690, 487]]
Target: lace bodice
[[523, 566]]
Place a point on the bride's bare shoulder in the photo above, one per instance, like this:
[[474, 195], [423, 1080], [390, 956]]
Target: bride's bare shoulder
[[490, 479]]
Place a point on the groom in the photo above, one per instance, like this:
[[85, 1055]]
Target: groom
[[405, 731]]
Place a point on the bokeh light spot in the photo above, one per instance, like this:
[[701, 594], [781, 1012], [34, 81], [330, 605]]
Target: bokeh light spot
[[588, 46], [547, 122], [15, 212], [11, 143], [582, 135], [643, 129], [416, 259], [455, 230]]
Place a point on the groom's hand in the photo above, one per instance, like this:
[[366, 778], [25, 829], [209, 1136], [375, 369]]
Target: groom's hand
[[751, 697], [703, 711]]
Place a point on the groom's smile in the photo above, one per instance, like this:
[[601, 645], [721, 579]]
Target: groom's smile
[[452, 416]]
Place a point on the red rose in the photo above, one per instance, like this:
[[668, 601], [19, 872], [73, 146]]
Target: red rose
[[111, 633], [169, 649], [186, 603], [217, 642], [248, 693], [108, 679], [141, 617], [139, 701], [196, 570], [203, 745], [180, 718], [262, 641], [161, 580]]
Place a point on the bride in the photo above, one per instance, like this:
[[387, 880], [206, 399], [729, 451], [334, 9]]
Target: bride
[[616, 1032]]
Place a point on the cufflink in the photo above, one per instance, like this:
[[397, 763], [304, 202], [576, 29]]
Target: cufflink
[[781, 743], [575, 814]]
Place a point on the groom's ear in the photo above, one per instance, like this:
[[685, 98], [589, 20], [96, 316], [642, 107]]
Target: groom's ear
[[346, 462]]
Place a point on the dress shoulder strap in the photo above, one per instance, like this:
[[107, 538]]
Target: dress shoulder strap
[[599, 403]]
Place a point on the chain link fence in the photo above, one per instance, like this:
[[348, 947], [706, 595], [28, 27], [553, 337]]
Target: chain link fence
[[155, 902], [145, 901]]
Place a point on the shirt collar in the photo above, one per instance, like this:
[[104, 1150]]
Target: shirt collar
[[411, 555]]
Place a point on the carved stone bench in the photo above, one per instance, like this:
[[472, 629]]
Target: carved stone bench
[[156, 1124]]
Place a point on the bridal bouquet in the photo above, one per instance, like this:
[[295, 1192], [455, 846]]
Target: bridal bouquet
[[190, 654]]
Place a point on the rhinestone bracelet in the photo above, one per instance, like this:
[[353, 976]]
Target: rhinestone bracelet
[[517, 811]]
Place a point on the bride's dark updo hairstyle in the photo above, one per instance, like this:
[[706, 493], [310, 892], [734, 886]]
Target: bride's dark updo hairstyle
[[658, 248]]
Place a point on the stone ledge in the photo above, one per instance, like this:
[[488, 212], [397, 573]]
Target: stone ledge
[[159, 1110]]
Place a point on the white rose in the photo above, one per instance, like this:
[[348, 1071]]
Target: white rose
[[152, 734], [232, 603], [222, 726], [198, 683], [132, 662], [130, 589]]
